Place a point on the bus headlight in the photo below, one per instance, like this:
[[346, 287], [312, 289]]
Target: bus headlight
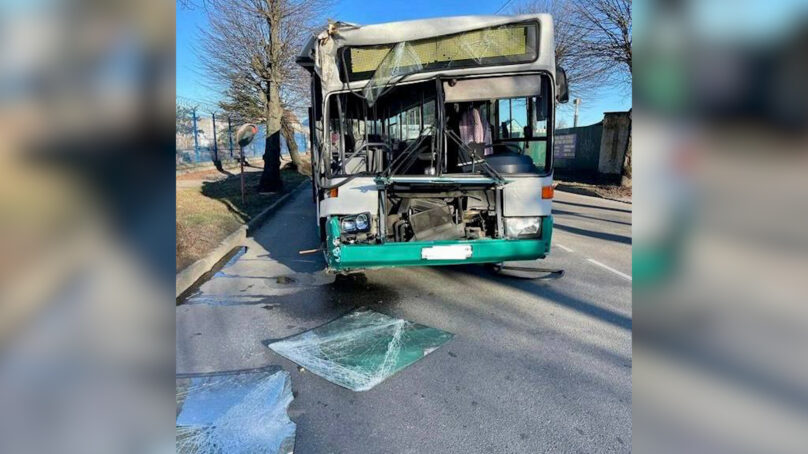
[[522, 227], [362, 222], [348, 225], [354, 224]]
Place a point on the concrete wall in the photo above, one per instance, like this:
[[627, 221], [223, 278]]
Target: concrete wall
[[613, 143], [599, 150], [586, 155]]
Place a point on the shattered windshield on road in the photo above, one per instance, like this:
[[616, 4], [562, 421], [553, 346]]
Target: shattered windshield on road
[[361, 349], [238, 412]]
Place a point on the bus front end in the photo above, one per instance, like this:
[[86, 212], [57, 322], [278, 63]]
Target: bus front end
[[433, 149], [438, 222]]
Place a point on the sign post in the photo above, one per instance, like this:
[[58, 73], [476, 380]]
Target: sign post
[[244, 135], [241, 164], [230, 136]]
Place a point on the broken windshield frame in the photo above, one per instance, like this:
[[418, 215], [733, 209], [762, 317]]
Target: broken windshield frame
[[409, 122], [395, 126]]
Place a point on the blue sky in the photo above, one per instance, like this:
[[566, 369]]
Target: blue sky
[[191, 81]]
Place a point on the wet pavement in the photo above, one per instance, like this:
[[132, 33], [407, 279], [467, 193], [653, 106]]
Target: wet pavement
[[533, 366]]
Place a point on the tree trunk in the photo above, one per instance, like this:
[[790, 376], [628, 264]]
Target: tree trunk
[[288, 130], [217, 161], [271, 177]]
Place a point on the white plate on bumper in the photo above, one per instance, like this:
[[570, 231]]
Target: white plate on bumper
[[451, 252]]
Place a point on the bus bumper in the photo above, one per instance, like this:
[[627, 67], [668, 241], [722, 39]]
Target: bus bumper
[[345, 257]]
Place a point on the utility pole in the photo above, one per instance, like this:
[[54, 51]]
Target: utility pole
[[241, 165], [576, 103], [196, 140], [215, 142], [230, 136]]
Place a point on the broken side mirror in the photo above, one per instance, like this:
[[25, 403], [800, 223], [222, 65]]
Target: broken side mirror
[[562, 90], [245, 134]]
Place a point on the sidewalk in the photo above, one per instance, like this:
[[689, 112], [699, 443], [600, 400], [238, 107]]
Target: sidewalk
[[209, 208]]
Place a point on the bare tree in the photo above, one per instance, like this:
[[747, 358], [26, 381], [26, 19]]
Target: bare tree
[[584, 76], [582, 30], [247, 105], [249, 50], [593, 45], [605, 28], [288, 121]]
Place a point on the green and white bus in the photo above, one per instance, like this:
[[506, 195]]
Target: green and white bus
[[432, 140]]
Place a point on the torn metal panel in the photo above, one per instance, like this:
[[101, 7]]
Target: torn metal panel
[[325, 64], [239, 412], [361, 349]]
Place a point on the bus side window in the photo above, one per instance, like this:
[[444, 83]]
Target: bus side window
[[429, 116], [512, 118]]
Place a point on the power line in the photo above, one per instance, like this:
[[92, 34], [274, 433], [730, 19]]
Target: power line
[[507, 2]]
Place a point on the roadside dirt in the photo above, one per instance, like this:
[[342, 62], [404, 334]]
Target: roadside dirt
[[604, 191], [209, 208]]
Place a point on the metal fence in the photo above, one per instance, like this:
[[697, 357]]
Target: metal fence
[[205, 132]]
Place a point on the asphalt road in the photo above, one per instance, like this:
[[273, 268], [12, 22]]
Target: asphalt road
[[534, 366]]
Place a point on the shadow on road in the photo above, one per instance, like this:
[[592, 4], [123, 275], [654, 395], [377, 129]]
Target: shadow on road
[[583, 205], [572, 213], [591, 233], [545, 290], [293, 229]]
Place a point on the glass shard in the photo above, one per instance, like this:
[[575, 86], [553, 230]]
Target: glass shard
[[400, 61], [361, 349], [239, 412]]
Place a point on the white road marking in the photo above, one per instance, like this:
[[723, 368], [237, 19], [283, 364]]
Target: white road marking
[[564, 247], [610, 269]]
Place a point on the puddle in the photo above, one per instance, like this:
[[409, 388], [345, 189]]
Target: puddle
[[235, 412], [361, 349], [228, 260], [251, 287]]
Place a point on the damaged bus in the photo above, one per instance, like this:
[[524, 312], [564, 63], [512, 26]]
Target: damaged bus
[[432, 140]]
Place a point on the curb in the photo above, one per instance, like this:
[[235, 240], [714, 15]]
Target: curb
[[590, 193], [195, 271]]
